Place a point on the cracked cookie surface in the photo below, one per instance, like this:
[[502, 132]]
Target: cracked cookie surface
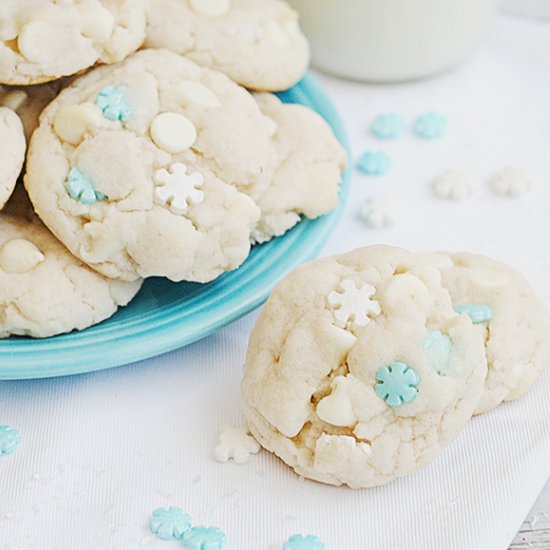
[[310, 162], [517, 334], [359, 370], [44, 290], [42, 40], [258, 43]]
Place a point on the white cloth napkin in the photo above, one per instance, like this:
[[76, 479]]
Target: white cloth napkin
[[101, 451]]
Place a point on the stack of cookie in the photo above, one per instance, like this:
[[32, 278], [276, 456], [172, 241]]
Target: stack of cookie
[[170, 161], [362, 367]]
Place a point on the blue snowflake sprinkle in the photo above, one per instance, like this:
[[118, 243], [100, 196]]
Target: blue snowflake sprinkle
[[374, 163], [430, 125], [390, 126], [438, 346], [169, 523], [113, 104], [204, 538], [397, 384], [299, 542], [81, 188], [478, 313], [9, 440]]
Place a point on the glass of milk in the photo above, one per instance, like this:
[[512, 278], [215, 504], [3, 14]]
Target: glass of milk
[[392, 40]]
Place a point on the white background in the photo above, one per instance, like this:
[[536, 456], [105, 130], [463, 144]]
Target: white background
[[101, 451]]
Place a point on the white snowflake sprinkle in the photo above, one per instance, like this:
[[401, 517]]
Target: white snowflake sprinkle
[[354, 305], [177, 189], [235, 443], [378, 213], [452, 185], [510, 182]]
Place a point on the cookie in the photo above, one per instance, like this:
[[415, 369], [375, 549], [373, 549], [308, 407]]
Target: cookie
[[42, 40], [141, 169], [44, 290], [510, 317], [310, 162], [258, 43], [359, 370], [29, 101], [12, 152]]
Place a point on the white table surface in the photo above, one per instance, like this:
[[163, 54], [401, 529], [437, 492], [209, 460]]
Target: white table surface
[[101, 451]]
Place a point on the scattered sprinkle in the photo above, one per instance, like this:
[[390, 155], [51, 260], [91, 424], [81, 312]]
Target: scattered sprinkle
[[452, 185], [430, 125], [378, 213], [397, 384], [169, 523], [374, 163], [204, 538], [235, 443], [511, 182], [300, 542], [388, 126], [10, 439]]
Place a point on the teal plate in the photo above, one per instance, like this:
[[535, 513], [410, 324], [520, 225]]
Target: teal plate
[[165, 315]]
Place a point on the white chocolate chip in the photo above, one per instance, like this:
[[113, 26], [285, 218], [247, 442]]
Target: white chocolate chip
[[71, 123], [173, 132], [337, 408], [210, 8], [341, 340], [429, 275], [41, 41], [19, 256], [97, 22], [193, 93], [13, 99], [340, 451], [101, 245]]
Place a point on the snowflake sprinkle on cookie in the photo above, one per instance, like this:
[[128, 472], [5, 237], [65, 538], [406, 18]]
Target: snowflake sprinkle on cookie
[[177, 189], [354, 305], [397, 384]]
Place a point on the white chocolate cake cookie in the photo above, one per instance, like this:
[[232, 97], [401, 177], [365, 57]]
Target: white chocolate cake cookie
[[42, 40], [139, 168], [258, 43], [359, 370], [44, 290], [309, 169], [512, 320], [12, 152]]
